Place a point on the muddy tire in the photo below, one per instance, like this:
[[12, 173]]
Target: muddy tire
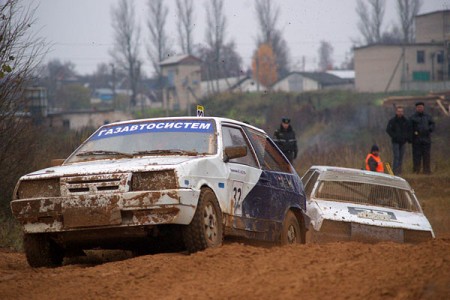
[[206, 228], [291, 233], [41, 251]]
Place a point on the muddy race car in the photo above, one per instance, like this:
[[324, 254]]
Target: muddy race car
[[147, 184], [349, 204]]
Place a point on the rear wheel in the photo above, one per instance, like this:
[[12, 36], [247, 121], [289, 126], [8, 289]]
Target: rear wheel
[[206, 228], [41, 251], [291, 233]]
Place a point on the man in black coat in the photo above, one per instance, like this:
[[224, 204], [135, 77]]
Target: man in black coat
[[398, 129], [422, 125], [285, 139]]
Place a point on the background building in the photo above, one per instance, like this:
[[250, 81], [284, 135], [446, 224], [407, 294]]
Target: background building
[[423, 65], [181, 81]]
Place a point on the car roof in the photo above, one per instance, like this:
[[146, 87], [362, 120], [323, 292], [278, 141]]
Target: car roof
[[216, 119], [330, 173]]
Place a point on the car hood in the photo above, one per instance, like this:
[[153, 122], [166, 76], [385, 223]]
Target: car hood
[[112, 166], [318, 210]]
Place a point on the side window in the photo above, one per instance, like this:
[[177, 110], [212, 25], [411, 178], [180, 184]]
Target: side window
[[233, 136], [310, 184], [268, 154]]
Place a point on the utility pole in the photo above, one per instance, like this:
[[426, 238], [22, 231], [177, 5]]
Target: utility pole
[[113, 71]]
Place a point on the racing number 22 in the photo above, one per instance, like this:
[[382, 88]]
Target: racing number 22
[[237, 197]]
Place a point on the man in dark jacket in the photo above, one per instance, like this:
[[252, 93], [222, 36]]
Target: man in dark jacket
[[422, 125], [398, 129], [285, 139]]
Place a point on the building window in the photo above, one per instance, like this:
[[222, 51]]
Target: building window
[[440, 57], [171, 78], [66, 124], [420, 57]]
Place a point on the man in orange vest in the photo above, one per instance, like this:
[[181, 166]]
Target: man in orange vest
[[373, 160]]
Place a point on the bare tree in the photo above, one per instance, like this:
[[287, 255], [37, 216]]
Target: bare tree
[[370, 20], [231, 62], [349, 61], [215, 36], [185, 9], [325, 56], [392, 36], [407, 10], [20, 53], [53, 74], [125, 52], [267, 14], [159, 47], [102, 76]]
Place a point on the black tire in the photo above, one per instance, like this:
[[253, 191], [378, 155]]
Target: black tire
[[291, 233], [41, 251], [206, 228]]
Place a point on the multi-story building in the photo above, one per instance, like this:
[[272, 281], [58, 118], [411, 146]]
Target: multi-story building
[[423, 65], [182, 81]]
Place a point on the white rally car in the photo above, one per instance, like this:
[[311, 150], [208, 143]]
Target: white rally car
[[144, 184], [349, 204]]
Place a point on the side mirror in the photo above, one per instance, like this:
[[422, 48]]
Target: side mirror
[[56, 162], [234, 152]]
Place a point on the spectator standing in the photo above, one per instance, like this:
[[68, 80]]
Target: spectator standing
[[285, 139], [373, 160], [422, 125], [398, 129]]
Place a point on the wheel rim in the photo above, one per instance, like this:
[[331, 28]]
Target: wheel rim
[[291, 235], [210, 220]]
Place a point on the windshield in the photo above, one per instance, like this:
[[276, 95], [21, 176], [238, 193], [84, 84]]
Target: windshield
[[177, 137], [363, 193]]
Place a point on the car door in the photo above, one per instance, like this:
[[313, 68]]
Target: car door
[[243, 172], [279, 186]]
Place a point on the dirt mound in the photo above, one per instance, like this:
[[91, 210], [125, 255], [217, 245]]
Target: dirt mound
[[236, 271]]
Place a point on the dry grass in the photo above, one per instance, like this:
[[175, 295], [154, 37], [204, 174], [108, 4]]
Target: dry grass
[[10, 234], [433, 192]]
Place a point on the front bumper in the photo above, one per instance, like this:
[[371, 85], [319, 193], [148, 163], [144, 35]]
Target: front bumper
[[334, 231], [61, 214]]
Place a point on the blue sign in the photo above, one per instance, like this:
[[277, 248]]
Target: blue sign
[[163, 126]]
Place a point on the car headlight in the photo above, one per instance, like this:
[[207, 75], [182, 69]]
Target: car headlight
[[39, 188], [154, 181]]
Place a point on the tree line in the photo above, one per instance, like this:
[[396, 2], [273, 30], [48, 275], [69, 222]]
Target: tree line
[[220, 59], [219, 56], [218, 52]]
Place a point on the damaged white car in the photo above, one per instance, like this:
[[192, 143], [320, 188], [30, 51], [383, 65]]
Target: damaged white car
[[146, 185], [356, 205]]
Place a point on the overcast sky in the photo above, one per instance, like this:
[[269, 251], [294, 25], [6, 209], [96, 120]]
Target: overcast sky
[[80, 31]]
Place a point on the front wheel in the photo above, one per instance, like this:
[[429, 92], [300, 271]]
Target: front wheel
[[206, 228], [41, 251], [290, 234]]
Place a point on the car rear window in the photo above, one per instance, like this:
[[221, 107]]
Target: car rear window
[[363, 193]]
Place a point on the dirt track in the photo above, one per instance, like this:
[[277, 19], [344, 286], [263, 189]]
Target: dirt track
[[237, 271]]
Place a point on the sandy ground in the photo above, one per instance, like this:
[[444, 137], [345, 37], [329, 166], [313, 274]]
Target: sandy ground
[[236, 271]]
